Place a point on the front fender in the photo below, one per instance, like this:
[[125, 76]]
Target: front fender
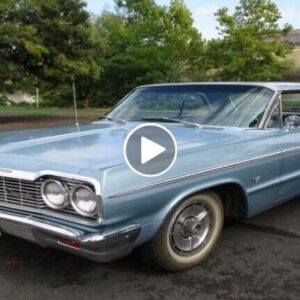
[[150, 208], [196, 189]]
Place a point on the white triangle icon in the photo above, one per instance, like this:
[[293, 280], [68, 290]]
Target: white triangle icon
[[150, 150]]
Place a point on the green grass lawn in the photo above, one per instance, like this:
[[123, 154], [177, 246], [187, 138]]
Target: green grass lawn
[[19, 118], [51, 112]]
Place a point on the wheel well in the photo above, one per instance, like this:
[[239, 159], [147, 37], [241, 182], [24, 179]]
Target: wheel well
[[233, 197], [234, 200]]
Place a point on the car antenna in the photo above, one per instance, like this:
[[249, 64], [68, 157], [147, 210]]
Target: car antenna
[[75, 101]]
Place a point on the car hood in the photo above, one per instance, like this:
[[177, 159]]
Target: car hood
[[98, 145]]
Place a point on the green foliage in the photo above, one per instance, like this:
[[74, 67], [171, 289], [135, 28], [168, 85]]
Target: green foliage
[[3, 100], [292, 76], [48, 39], [51, 42], [249, 48], [148, 43]]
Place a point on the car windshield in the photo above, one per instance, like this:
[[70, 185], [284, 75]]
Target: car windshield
[[216, 105]]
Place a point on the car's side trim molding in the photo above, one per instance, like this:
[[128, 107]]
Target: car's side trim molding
[[201, 173]]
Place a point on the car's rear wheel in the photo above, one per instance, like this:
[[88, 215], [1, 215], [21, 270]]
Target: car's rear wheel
[[188, 235]]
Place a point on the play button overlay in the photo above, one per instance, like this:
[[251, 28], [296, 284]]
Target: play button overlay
[[150, 150]]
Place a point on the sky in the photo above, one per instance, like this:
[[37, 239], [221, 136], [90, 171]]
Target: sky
[[203, 12]]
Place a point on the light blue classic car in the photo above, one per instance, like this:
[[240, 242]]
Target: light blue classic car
[[72, 188]]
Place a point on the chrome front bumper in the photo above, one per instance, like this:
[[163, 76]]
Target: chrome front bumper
[[103, 247]]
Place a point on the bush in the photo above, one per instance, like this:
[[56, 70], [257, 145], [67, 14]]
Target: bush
[[293, 76], [4, 101]]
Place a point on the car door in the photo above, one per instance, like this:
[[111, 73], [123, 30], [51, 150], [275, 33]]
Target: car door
[[290, 185]]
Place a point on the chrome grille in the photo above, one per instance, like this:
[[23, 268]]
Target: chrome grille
[[21, 192], [26, 195]]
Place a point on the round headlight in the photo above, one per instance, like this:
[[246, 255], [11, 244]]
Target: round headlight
[[84, 200], [55, 194]]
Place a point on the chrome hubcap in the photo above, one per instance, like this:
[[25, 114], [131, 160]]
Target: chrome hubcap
[[190, 229]]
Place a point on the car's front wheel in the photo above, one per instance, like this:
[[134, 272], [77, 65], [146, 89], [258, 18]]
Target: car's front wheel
[[188, 235]]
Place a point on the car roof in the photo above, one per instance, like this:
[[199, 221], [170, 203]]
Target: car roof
[[275, 86]]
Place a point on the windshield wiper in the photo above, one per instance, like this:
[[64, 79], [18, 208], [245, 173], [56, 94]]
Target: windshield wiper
[[113, 119], [171, 120]]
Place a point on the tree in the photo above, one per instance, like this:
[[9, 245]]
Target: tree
[[148, 43], [50, 40], [184, 43], [12, 36], [249, 47]]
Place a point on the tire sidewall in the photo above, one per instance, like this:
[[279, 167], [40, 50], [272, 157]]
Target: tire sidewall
[[213, 201]]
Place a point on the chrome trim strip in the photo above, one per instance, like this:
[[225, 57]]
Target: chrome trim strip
[[67, 232], [200, 173], [55, 214], [53, 229], [249, 83], [95, 238], [191, 175], [291, 150], [280, 110], [264, 121]]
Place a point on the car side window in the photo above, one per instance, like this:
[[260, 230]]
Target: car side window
[[291, 109]]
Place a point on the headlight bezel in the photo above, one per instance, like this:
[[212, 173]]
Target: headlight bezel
[[94, 197], [65, 192]]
